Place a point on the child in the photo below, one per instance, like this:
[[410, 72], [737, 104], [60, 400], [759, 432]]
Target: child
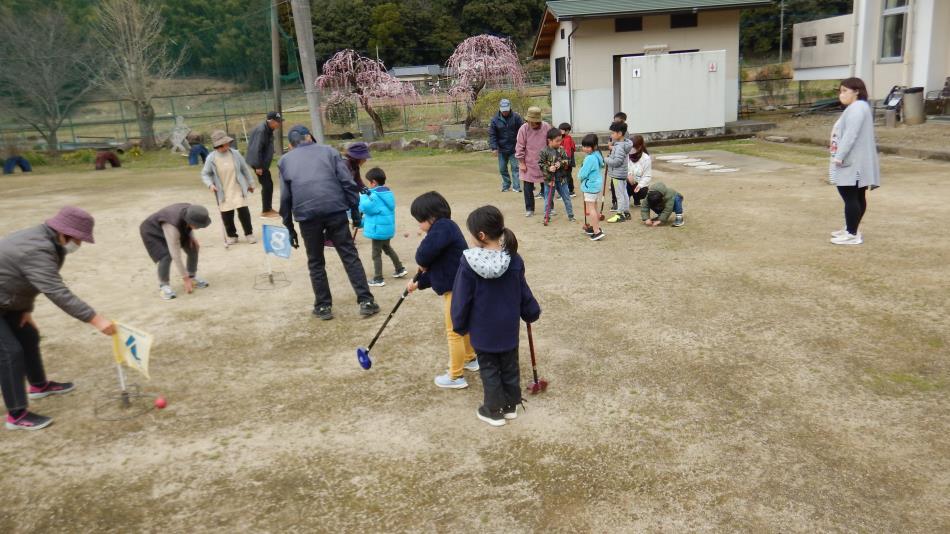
[[491, 299], [378, 206], [618, 117], [438, 258], [570, 148], [592, 185], [556, 169], [640, 172], [617, 169], [664, 201], [166, 234]]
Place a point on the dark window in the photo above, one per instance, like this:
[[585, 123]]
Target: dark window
[[684, 51], [834, 38], [560, 71], [628, 24], [809, 41], [562, 33], [684, 20]]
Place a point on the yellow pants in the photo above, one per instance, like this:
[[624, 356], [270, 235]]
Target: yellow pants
[[460, 347]]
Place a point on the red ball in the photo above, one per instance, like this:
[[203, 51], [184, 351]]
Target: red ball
[[160, 402]]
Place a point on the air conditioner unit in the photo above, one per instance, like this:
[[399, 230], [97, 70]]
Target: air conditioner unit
[[655, 50]]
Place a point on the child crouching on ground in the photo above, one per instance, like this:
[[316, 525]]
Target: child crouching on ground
[[664, 201], [438, 258], [640, 173], [592, 185], [491, 299], [378, 206], [556, 169]]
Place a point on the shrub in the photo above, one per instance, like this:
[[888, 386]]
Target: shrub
[[84, 155], [389, 114], [487, 103], [36, 158], [341, 112], [772, 80]]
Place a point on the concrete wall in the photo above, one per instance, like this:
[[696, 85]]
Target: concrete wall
[[822, 54]]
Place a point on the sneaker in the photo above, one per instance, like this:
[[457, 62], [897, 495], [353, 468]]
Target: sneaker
[[492, 418], [619, 217], [589, 230], [679, 221], [447, 382], [505, 189], [231, 241], [571, 218], [516, 190], [472, 365], [510, 412], [573, 195], [597, 237], [251, 239], [839, 233], [167, 292], [400, 273], [847, 239], [368, 308], [28, 421], [377, 282], [613, 207], [540, 195], [627, 215], [323, 312], [270, 214], [51, 388], [199, 283], [528, 213]]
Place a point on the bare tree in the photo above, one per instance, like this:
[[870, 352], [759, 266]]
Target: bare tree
[[136, 56], [483, 61], [48, 67]]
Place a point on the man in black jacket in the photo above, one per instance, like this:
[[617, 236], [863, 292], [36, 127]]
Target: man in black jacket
[[502, 136], [260, 153]]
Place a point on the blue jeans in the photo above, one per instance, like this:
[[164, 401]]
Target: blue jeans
[[678, 204], [509, 181], [564, 191]]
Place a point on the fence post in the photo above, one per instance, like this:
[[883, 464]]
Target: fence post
[[72, 129], [224, 107], [125, 129], [800, 95], [171, 100], [405, 117]]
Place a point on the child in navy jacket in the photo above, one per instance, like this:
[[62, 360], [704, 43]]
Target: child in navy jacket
[[491, 299], [438, 258]]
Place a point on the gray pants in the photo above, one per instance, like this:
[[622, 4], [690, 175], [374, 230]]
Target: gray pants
[[623, 199], [380, 246], [165, 265]]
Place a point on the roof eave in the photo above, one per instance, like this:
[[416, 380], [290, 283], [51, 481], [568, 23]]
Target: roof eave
[[744, 5]]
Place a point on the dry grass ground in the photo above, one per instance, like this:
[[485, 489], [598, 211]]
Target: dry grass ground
[[736, 374]]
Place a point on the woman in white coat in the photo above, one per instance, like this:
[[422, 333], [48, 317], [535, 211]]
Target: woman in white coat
[[231, 180]]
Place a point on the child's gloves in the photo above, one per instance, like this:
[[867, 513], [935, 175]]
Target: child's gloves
[[366, 191]]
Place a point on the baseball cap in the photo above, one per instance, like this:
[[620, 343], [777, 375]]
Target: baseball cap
[[505, 105], [275, 116], [297, 134]]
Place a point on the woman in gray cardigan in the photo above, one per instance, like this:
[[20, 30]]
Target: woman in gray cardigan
[[231, 180], [854, 163]]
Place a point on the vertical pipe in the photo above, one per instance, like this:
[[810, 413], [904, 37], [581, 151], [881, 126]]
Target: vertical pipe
[[275, 70], [224, 107], [125, 129], [304, 27]]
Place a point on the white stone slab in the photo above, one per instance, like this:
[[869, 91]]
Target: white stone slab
[[724, 170], [697, 163], [671, 156]]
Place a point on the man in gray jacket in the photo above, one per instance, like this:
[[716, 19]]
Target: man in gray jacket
[[260, 153], [317, 190], [30, 261]]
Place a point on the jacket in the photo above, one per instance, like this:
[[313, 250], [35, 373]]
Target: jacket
[[591, 174], [490, 298], [852, 143], [245, 176], [440, 252], [378, 207], [153, 234], [554, 156], [260, 147], [641, 171], [30, 261], [528, 147], [618, 158], [315, 182], [503, 133], [669, 197], [570, 148]]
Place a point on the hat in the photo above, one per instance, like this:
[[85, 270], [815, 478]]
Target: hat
[[73, 222], [533, 114], [218, 138], [197, 216], [504, 105], [297, 134], [275, 116], [358, 150]]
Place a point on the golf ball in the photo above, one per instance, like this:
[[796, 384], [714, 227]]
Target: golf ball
[[160, 402]]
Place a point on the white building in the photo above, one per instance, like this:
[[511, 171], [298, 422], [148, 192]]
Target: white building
[[587, 40], [884, 42]]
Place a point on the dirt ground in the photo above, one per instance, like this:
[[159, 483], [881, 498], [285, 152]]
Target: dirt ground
[[736, 374]]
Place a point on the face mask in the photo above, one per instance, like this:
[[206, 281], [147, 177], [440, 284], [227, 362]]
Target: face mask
[[71, 246]]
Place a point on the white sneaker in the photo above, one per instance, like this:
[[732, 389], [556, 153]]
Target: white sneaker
[[839, 233], [167, 292], [472, 365], [231, 241], [847, 239], [444, 381], [528, 213], [251, 239]]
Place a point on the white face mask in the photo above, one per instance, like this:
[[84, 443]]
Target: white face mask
[[71, 246]]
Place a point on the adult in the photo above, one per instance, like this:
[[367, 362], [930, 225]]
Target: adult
[[854, 162], [317, 190], [502, 137], [260, 154], [357, 154], [230, 179], [532, 138], [30, 261], [168, 232]]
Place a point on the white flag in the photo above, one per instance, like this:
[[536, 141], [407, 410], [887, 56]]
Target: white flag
[[132, 346]]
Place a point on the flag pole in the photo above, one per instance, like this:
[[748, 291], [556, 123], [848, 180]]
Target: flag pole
[[270, 269], [118, 367]]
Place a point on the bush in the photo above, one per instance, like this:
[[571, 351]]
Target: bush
[[341, 113], [389, 114], [36, 158], [84, 155], [772, 80], [487, 103]]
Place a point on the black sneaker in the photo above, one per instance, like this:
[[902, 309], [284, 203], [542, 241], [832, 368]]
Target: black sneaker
[[510, 412], [589, 230], [627, 215], [323, 312], [51, 388], [368, 308], [377, 282], [598, 236], [492, 418], [28, 421]]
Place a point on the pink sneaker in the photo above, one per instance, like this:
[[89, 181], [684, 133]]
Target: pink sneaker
[[28, 421], [51, 388]]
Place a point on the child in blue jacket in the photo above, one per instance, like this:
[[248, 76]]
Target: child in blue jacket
[[438, 258], [378, 206], [491, 299], [592, 184]]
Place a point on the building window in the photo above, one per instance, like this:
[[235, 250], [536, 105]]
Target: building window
[[834, 38], [894, 19], [690, 51], [809, 41], [560, 71], [562, 33], [684, 20], [628, 24]]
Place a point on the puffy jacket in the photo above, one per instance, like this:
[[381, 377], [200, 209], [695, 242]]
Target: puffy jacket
[[440, 252], [618, 158], [503, 132], [669, 199], [379, 213], [591, 174], [315, 182], [30, 261]]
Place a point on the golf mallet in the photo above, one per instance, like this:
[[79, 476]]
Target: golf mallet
[[603, 194], [362, 353], [224, 233], [538, 385]]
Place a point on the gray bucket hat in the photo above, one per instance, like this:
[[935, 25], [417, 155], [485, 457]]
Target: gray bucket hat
[[197, 216], [218, 138]]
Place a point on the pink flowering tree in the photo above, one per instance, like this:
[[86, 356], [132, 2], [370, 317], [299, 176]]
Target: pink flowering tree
[[483, 61], [348, 74]]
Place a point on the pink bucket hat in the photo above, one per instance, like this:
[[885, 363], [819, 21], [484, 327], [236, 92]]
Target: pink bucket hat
[[74, 222]]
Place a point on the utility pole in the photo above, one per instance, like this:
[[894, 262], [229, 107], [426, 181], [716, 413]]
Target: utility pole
[[275, 69], [304, 29], [781, 32]]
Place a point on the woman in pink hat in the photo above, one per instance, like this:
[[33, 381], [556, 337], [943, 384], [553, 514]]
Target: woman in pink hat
[[30, 261]]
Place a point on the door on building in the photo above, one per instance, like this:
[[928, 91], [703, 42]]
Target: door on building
[[617, 91]]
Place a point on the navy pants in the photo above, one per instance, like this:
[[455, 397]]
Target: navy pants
[[336, 229], [19, 358]]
